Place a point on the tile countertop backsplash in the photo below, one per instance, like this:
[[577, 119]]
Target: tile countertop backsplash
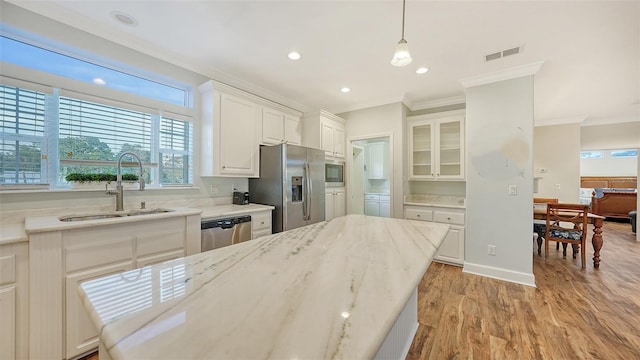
[[456, 202], [12, 222]]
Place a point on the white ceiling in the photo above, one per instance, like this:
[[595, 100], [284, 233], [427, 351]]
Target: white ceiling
[[591, 50]]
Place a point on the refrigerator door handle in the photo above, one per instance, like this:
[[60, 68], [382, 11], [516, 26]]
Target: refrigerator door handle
[[305, 195], [310, 189]]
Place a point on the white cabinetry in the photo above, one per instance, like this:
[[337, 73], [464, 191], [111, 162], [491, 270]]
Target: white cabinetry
[[60, 260], [325, 131], [452, 249], [278, 128], [436, 146], [377, 167], [229, 144], [335, 203], [14, 293], [377, 205], [260, 224]]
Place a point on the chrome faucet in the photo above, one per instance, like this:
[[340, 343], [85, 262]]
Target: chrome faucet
[[119, 191]]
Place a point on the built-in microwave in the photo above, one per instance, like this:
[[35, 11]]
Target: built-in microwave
[[334, 173]]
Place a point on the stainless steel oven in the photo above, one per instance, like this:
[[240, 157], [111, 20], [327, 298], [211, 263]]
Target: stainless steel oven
[[334, 173]]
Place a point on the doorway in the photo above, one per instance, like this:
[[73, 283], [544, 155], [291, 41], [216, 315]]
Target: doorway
[[371, 174]]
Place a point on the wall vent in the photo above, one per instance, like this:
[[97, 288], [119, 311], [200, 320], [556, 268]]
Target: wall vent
[[503, 53]]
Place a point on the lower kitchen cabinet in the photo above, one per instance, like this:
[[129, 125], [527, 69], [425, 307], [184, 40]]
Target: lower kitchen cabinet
[[260, 224], [377, 205], [452, 249], [335, 203], [61, 260], [14, 293]]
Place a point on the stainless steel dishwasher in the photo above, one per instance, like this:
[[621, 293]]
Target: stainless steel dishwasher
[[218, 233]]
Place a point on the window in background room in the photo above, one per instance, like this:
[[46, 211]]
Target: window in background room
[[590, 154], [624, 153]]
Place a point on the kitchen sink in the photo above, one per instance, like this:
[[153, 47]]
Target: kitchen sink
[[112, 215]]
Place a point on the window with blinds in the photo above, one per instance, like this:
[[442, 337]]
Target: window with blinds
[[22, 126]]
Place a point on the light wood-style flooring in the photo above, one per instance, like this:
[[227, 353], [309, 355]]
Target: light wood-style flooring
[[571, 314]]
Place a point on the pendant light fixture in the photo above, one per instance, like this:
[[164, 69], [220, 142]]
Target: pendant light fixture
[[401, 56]]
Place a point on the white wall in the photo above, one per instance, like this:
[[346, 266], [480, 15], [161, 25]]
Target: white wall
[[613, 136], [609, 166], [557, 149], [372, 122], [499, 128]]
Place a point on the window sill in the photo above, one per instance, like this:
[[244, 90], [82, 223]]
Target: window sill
[[65, 190]]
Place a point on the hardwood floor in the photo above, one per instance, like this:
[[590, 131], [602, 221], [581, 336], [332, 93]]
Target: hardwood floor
[[572, 314]]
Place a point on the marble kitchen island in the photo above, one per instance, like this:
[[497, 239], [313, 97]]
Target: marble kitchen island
[[337, 289]]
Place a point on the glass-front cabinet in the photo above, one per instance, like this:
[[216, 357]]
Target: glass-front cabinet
[[436, 146]]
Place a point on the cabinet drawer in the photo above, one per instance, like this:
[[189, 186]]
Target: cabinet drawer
[[261, 220], [372, 197], [415, 214], [448, 218], [7, 269], [161, 236], [97, 253]]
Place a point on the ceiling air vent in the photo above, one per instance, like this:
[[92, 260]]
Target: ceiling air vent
[[503, 53], [493, 56], [515, 50]]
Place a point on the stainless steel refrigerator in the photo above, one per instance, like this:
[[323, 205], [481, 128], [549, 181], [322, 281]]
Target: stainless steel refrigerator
[[292, 180]]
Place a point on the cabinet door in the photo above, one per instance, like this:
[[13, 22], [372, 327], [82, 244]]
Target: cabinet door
[[237, 136], [272, 126], [450, 151], [452, 249], [376, 167], [338, 143], [329, 205], [385, 209], [421, 154], [82, 335], [327, 138], [340, 203], [8, 330], [372, 208], [292, 130]]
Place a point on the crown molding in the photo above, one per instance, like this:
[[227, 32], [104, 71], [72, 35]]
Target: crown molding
[[561, 121], [370, 104], [429, 104], [506, 74]]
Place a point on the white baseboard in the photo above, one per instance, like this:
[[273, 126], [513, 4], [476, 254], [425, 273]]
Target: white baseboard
[[500, 274]]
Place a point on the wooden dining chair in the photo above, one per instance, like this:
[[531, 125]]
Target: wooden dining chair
[[539, 226], [567, 224]]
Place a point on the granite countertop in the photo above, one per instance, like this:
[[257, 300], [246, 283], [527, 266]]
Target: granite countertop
[[454, 202], [16, 231], [328, 290]]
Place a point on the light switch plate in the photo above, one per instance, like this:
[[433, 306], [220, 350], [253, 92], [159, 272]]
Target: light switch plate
[[513, 190]]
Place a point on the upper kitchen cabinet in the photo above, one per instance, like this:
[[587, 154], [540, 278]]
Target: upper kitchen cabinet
[[279, 127], [436, 146], [229, 126], [323, 130], [377, 164]]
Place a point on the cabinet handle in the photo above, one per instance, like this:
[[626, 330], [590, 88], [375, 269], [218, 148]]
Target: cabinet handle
[[262, 223], [449, 218], [418, 215], [224, 167]]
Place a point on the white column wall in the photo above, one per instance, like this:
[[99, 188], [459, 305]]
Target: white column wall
[[499, 128]]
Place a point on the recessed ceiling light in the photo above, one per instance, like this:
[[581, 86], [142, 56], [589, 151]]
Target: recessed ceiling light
[[345, 89], [294, 55], [123, 18], [422, 70], [99, 81]]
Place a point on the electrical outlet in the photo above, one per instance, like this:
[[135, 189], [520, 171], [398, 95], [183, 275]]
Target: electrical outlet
[[543, 170], [215, 189], [235, 187], [513, 190], [491, 250], [557, 187]]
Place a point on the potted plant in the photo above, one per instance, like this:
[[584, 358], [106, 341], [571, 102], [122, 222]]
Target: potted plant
[[97, 181]]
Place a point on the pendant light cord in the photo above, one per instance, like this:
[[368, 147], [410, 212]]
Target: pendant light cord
[[403, 2]]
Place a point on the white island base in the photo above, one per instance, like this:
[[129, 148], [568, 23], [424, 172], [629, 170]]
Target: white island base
[[340, 289]]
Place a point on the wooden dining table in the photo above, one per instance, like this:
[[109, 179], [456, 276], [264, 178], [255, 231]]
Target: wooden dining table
[[540, 213]]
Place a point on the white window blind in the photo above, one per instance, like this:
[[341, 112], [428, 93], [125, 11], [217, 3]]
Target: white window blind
[[176, 139], [22, 128]]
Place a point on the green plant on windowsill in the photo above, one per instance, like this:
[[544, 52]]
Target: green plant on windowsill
[[89, 178]]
